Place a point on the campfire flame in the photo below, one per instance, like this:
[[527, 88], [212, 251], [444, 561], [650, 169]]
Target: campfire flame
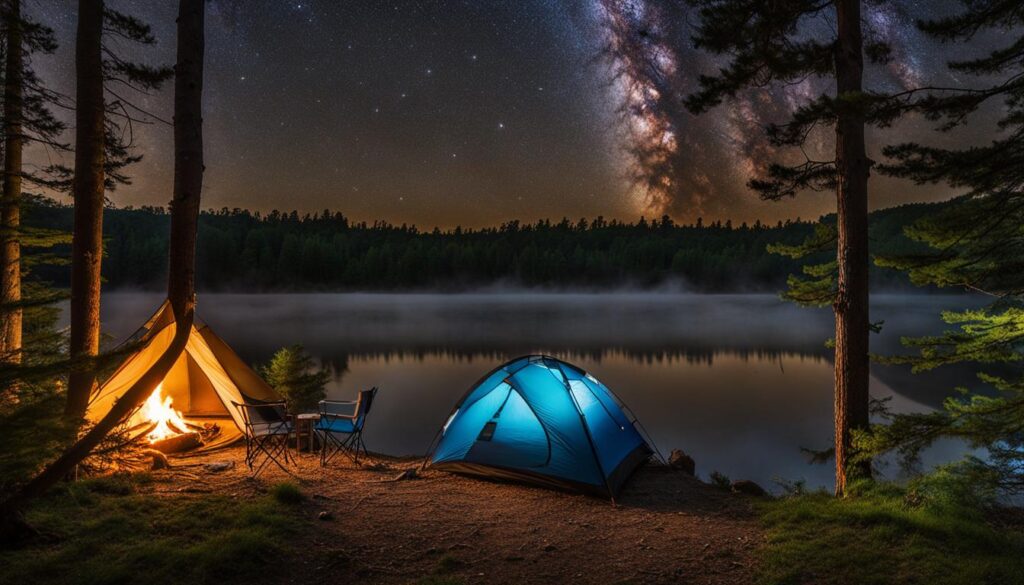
[[169, 421]]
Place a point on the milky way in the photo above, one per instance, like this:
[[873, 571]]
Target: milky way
[[473, 113], [692, 166]]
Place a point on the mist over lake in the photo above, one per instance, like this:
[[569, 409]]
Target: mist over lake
[[741, 382]]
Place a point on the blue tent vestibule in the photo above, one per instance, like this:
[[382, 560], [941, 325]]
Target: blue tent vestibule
[[540, 420]]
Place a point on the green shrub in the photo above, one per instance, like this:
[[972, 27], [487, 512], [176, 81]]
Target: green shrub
[[956, 487], [721, 481], [883, 533], [292, 373]]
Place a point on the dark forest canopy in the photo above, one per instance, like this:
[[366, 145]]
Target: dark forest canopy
[[241, 250]]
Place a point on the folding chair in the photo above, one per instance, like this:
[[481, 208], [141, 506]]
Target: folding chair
[[341, 426], [267, 428]]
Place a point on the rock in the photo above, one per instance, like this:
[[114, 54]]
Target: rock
[[550, 548], [678, 459], [745, 486], [218, 466], [410, 473], [325, 516], [160, 460]]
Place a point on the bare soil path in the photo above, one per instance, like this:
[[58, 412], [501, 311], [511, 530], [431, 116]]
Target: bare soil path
[[667, 527]]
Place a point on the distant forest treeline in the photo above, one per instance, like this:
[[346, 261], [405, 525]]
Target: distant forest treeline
[[243, 251]]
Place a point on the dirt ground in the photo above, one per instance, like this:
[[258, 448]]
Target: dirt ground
[[667, 527]]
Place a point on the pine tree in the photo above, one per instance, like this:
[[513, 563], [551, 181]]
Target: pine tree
[[101, 155], [188, 173], [292, 373], [26, 120], [769, 45], [976, 244]]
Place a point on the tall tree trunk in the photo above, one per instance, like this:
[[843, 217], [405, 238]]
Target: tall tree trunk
[[188, 180], [851, 303], [88, 191], [10, 207], [188, 152]]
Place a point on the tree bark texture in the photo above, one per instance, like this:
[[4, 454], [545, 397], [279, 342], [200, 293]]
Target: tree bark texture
[[851, 302], [88, 193], [188, 178], [10, 206]]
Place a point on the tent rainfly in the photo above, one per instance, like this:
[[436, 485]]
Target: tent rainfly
[[540, 420], [204, 381]]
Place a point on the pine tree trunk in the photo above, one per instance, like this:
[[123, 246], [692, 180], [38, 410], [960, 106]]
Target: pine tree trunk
[[10, 207], [851, 303], [188, 180], [188, 153], [88, 191]]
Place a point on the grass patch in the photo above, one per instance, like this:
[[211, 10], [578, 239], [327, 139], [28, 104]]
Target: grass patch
[[447, 564], [104, 532], [31, 432], [882, 535], [439, 580], [287, 492]]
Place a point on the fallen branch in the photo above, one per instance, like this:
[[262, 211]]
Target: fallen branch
[[360, 501]]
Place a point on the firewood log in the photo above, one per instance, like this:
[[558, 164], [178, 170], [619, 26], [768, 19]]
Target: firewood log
[[177, 443]]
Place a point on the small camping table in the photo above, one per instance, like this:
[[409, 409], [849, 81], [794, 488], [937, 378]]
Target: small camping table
[[304, 425]]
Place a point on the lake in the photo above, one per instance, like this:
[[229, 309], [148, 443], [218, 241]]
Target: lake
[[741, 382]]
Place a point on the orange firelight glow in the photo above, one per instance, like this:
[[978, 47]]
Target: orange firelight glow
[[169, 421]]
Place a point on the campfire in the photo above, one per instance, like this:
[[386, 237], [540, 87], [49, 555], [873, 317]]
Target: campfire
[[168, 431], [168, 421]]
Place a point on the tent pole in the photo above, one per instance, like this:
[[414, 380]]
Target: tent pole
[[458, 405], [590, 438], [636, 423], [431, 447]]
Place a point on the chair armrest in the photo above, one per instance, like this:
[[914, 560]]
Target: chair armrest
[[335, 404], [335, 415]]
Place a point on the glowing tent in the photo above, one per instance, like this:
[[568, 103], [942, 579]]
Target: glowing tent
[[540, 420], [204, 381]]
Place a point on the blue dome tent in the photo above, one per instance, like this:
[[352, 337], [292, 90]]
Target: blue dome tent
[[540, 420]]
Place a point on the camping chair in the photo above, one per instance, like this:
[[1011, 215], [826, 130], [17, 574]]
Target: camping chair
[[267, 428], [341, 426]]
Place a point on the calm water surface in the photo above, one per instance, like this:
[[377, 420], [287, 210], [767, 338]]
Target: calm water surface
[[741, 382]]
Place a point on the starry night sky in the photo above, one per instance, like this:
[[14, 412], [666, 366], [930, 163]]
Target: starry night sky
[[449, 112]]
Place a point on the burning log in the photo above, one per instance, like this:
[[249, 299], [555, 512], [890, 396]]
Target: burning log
[[166, 429], [208, 431], [176, 443]]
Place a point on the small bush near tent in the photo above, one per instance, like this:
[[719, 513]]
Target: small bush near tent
[[293, 374]]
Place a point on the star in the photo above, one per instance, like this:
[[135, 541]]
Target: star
[[297, 116]]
